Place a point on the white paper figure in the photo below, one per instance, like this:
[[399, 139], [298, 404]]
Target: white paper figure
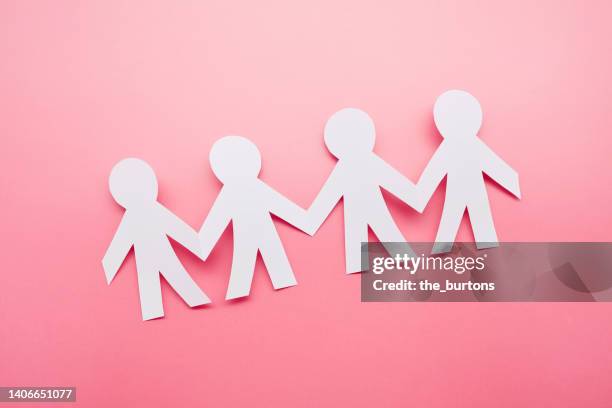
[[462, 157], [357, 178], [146, 225], [248, 202]]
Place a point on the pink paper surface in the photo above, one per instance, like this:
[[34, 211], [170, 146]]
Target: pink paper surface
[[86, 83]]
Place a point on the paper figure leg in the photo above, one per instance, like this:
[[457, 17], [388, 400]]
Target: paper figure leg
[[176, 275], [150, 293], [276, 261], [482, 224], [356, 233], [449, 225], [243, 267], [390, 236]]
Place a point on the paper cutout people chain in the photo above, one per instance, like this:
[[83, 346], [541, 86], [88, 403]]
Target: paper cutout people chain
[[248, 203], [357, 178], [462, 157], [146, 226]]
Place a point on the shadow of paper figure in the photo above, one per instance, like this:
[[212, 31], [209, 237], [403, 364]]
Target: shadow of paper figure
[[146, 226], [512, 269], [248, 203], [584, 267]]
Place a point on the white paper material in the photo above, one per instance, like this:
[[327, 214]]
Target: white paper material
[[146, 225], [462, 157], [357, 179], [247, 202]]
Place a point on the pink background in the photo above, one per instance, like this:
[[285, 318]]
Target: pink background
[[84, 84]]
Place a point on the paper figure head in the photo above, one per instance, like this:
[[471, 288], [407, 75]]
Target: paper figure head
[[457, 114], [132, 182], [349, 132], [235, 159]]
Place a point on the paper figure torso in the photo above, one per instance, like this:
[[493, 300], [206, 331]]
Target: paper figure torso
[[248, 203]]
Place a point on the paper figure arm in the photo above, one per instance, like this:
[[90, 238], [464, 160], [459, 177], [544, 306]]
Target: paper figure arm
[[286, 209], [215, 223], [397, 184], [432, 175], [326, 200], [117, 250], [499, 170], [178, 230]]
